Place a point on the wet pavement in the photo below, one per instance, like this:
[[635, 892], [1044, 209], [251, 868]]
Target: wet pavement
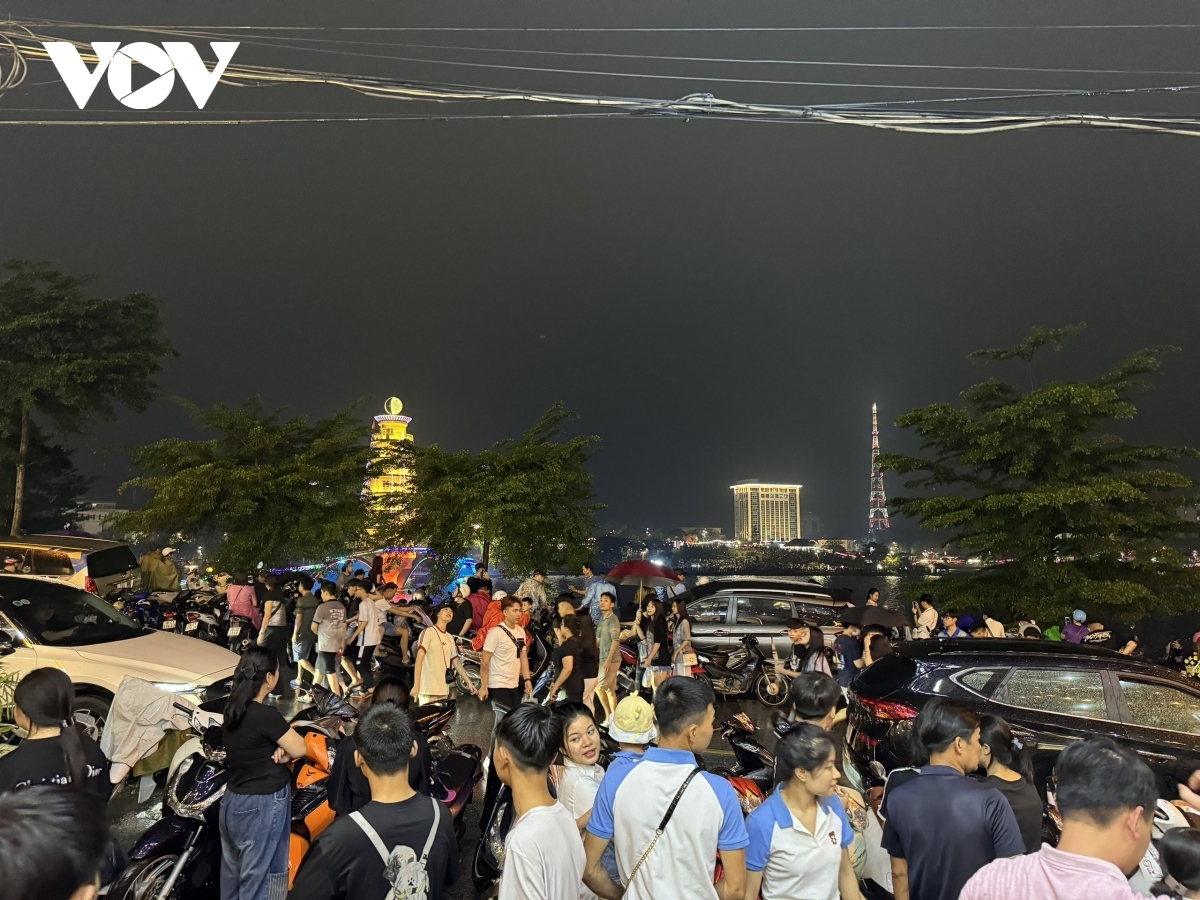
[[472, 724]]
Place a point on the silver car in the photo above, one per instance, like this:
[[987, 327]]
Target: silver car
[[722, 612]]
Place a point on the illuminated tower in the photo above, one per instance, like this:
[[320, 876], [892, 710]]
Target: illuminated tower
[[877, 516], [387, 428]]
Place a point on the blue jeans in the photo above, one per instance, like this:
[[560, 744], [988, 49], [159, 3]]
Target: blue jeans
[[255, 831]]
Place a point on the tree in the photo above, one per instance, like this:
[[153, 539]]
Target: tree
[[67, 356], [530, 500], [268, 489], [1064, 513], [53, 485]]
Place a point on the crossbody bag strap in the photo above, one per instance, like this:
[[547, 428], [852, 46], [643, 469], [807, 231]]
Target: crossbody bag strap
[[373, 835], [663, 824], [512, 637], [437, 816]]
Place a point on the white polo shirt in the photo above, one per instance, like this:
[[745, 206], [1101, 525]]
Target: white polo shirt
[[797, 864], [630, 805]]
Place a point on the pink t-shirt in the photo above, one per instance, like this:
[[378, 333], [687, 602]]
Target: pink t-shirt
[[1050, 874]]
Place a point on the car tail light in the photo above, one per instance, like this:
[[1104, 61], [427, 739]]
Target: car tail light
[[888, 710], [89, 585]]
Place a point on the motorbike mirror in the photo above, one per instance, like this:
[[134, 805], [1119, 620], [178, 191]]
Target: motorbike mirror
[[6, 647]]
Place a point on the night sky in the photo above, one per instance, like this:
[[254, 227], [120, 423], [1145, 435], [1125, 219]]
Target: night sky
[[718, 300]]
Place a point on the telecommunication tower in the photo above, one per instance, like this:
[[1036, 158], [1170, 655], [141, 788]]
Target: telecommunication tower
[[877, 516]]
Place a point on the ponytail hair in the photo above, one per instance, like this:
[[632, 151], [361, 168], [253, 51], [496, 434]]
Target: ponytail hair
[[805, 746], [251, 674], [1007, 749], [45, 697]]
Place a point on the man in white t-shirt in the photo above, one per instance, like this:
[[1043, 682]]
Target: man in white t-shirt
[[504, 662], [543, 858], [366, 631], [632, 802]]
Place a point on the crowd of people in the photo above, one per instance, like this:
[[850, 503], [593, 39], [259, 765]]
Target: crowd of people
[[650, 823]]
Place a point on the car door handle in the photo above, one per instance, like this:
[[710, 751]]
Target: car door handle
[[720, 631]]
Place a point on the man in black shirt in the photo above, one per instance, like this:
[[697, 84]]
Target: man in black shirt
[[942, 827], [1099, 635], [345, 863]]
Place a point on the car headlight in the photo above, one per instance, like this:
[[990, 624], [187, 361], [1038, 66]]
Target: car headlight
[[177, 688]]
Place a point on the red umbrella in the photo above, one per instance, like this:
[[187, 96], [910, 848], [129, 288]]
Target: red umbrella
[[643, 573]]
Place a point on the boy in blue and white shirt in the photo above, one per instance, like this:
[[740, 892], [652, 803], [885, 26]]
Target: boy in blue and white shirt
[[633, 800]]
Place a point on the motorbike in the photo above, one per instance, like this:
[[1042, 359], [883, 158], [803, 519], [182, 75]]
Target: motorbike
[[745, 670], [180, 855], [752, 760], [239, 633]]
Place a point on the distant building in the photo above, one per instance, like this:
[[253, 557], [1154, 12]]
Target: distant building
[[93, 515], [385, 430], [850, 545], [765, 513]]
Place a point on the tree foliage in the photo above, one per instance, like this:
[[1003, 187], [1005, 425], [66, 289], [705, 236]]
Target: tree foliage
[[53, 485], [529, 500], [266, 488], [1065, 513], [67, 356]]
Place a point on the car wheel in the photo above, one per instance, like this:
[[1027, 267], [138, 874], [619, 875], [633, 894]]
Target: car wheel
[[144, 879], [91, 713], [763, 685]]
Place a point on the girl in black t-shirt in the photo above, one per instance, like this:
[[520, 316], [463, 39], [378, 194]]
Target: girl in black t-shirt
[[55, 752], [568, 662], [256, 810], [1009, 768]]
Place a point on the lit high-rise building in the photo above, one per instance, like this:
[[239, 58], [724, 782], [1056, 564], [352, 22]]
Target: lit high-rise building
[[387, 428], [765, 513]]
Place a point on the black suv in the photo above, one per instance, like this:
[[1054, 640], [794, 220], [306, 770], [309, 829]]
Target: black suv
[[1050, 693]]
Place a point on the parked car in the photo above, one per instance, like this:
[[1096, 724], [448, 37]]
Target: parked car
[[44, 622], [1050, 693], [89, 563], [725, 611]]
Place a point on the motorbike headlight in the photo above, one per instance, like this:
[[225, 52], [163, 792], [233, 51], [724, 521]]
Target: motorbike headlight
[[177, 687]]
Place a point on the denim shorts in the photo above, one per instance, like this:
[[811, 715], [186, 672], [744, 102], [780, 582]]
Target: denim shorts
[[327, 663], [303, 648]]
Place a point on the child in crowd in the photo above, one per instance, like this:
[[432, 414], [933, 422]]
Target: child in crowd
[[329, 625]]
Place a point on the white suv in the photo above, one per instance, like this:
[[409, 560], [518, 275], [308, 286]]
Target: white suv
[[44, 622]]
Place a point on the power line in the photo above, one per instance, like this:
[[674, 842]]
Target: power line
[[629, 30], [692, 105]]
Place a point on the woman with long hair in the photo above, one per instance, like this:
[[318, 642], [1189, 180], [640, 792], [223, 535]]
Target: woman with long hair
[[652, 632], [681, 639], [375, 576], [54, 751], [256, 811], [580, 774], [816, 656], [1010, 771], [810, 859], [349, 790]]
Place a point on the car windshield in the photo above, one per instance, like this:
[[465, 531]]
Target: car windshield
[[60, 615]]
